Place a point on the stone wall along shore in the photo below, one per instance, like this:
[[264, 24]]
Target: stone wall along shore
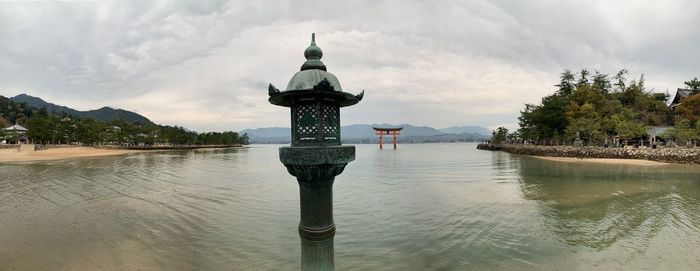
[[668, 155]]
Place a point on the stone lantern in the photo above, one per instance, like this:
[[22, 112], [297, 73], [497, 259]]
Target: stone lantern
[[316, 155]]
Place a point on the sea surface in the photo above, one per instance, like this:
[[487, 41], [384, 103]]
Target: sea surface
[[421, 207]]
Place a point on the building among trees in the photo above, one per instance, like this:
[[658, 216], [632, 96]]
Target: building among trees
[[15, 134]]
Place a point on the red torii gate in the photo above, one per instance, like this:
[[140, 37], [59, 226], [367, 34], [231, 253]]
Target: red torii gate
[[394, 132]]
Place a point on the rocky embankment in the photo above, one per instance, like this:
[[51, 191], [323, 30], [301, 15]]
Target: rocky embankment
[[668, 155]]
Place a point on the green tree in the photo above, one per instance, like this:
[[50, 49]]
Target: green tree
[[244, 140], [621, 81], [584, 121], [693, 84], [601, 82], [566, 83], [499, 135], [66, 129], [690, 108], [90, 132], [683, 132], [588, 94], [543, 122], [513, 136], [627, 128], [41, 129], [583, 79], [3, 122]]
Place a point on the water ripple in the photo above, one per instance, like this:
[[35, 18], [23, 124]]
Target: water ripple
[[422, 207]]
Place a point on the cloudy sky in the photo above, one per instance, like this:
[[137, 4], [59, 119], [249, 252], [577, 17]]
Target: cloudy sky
[[205, 65]]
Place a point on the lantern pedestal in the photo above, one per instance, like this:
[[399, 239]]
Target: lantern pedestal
[[317, 255], [315, 169]]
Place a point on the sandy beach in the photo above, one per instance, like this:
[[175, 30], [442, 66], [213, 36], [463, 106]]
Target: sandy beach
[[636, 162], [27, 153]]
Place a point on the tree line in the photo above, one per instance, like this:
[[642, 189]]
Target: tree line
[[61, 128], [599, 109]]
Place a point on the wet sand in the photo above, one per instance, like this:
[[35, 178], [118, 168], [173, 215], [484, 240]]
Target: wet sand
[[27, 153], [611, 161]]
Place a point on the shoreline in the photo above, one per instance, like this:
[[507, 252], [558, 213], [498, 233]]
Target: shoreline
[[13, 155], [602, 155], [606, 161], [27, 153], [176, 147]]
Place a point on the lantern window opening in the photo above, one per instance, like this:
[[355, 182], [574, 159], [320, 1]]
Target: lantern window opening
[[305, 120]]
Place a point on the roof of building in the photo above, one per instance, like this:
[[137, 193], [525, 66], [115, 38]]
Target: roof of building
[[16, 127], [684, 92], [681, 93]]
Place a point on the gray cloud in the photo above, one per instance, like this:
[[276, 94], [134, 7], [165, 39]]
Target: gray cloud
[[206, 64]]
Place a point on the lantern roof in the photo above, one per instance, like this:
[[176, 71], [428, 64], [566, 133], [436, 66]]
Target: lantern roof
[[313, 80], [313, 71], [313, 56], [307, 79]]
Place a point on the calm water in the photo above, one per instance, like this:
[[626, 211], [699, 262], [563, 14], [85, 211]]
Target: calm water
[[422, 207]]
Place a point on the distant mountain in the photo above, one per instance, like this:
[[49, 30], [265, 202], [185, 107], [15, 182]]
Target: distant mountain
[[268, 135], [102, 114], [356, 131], [268, 132], [363, 133], [366, 131], [467, 129], [39, 103], [410, 130]]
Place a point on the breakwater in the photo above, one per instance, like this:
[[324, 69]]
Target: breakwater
[[668, 155]]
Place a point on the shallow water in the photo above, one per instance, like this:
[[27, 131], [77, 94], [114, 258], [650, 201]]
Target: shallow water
[[421, 207]]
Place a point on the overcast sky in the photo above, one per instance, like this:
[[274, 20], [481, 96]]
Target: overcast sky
[[205, 65]]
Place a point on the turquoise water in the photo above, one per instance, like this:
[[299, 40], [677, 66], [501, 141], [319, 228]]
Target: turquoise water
[[421, 207]]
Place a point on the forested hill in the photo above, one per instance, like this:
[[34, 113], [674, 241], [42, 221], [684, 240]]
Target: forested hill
[[12, 112], [53, 124], [105, 114]]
